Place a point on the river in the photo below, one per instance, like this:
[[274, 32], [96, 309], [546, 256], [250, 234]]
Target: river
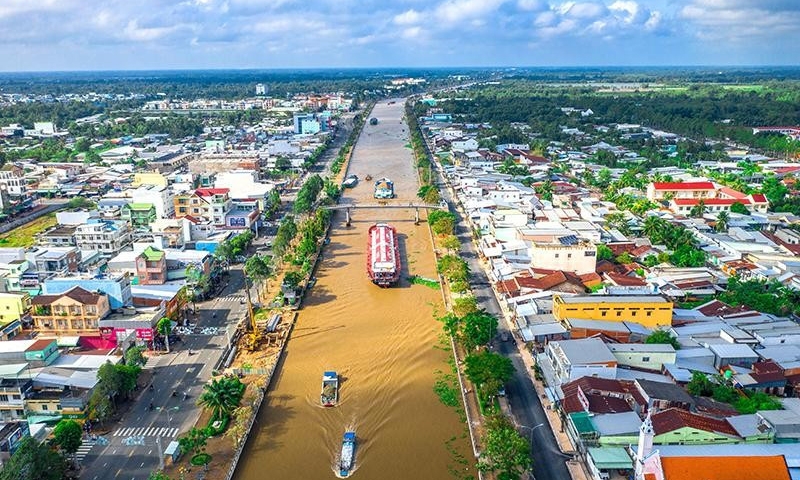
[[381, 341]]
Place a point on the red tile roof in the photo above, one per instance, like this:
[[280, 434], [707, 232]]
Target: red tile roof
[[733, 193], [716, 308], [39, 345], [624, 280], [675, 418], [759, 198], [725, 468], [208, 192], [669, 186]]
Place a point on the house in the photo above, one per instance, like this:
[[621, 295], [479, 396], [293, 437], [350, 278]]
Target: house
[[643, 355], [47, 261], [675, 426], [572, 359], [648, 310], [765, 376], [139, 214], [37, 353], [716, 462], [58, 236], [662, 396], [737, 354], [151, 266], [205, 203], [74, 312], [600, 396]]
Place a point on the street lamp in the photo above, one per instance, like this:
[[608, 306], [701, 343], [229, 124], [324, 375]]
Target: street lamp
[[531, 429]]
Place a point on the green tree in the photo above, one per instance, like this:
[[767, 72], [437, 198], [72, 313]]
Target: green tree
[[453, 268], [663, 336], [68, 436], [83, 144], [478, 329], [451, 243], [76, 203], [505, 450], [292, 279], [99, 407], [224, 252], [619, 221], [258, 268], [722, 222], [700, 385], [488, 370], [164, 327], [463, 306], [545, 190], [624, 258], [774, 189], [738, 207], [221, 395], [134, 356], [451, 324], [194, 442], [429, 194], [698, 210], [604, 253], [33, 461], [442, 222]]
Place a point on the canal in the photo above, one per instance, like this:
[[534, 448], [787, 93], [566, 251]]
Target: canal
[[383, 343]]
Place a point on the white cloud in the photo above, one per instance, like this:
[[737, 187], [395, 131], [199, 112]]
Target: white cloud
[[455, 11], [409, 17], [735, 20]]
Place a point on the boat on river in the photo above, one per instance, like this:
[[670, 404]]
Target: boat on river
[[330, 389], [347, 458], [383, 255]]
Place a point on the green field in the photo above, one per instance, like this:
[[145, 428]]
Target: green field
[[25, 236]]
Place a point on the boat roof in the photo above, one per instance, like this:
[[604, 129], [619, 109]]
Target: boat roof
[[350, 436], [329, 373]]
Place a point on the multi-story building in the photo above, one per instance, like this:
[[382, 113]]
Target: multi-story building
[[116, 286], [58, 236], [568, 254], [11, 436], [14, 307], [14, 388], [151, 267], [658, 191], [204, 203], [106, 237], [13, 184], [54, 260], [141, 215], [573, 359], [648, 310], [74, 312]]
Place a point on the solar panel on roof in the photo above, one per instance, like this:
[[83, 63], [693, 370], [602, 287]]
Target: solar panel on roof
[[569, 240]]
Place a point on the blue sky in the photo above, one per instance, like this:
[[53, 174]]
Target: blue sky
[[172, 34]]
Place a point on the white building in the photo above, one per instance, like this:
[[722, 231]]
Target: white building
[[106, 237]]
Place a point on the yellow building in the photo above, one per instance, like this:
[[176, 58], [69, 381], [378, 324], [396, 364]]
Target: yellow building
[[648, 310], [13, 306], [149, 178]]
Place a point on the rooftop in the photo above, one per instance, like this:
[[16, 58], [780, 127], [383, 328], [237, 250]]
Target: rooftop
[[683, 185], [664, 391], [725, 468], [614, 299], [586, 350], [675, 418]]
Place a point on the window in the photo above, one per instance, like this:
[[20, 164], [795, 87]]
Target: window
[[556, 255], [645, 359], [44, 407], [3, 398], [569, 255], [619, 314], [603, 313], [648, 313]]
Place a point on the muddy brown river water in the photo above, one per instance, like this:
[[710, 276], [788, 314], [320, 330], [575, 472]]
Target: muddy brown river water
[[381, 341]]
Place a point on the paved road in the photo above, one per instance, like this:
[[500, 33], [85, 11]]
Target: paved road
[[526, 407], [177, 372]]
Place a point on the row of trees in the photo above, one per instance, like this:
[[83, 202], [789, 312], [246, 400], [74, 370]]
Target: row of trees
[[720, 389], [228, 251], [308, 194], [505, 452]]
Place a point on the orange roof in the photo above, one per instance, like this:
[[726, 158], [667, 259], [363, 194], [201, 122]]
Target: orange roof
[[725, 468]]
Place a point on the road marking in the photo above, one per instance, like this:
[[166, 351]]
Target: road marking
[[149, 453], [142, 465], [118, 472]]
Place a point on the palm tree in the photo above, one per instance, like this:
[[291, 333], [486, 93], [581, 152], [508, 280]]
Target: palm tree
[[222, 395], [722, 222], [698, 210]]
